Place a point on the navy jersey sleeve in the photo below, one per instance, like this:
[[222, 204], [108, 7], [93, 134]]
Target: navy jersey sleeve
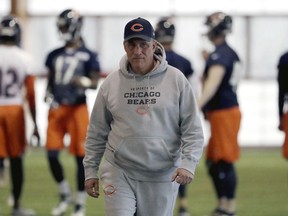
[[92, 65]]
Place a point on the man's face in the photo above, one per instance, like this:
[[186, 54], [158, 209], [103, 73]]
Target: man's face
[[140, 54]]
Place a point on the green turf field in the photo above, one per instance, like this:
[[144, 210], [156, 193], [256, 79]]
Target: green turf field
[[262, 191]]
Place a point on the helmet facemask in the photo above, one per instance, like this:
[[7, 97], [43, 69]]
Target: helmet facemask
[[10, 30], [69, 25], [165, 30]]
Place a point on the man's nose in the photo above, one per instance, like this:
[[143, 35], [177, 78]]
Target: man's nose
[[137, 49]]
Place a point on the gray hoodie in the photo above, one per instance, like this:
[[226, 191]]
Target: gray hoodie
[[146, 125]]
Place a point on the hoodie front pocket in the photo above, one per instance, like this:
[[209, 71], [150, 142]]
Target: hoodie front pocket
[[144, 154]]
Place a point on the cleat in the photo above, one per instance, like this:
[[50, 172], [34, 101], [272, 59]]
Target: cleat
[[23, 212], [183, 214], [61, 208], [221, 212], [79, 211]]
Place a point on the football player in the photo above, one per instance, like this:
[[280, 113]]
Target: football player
[[220, 106], [282, 79], [16, 74], [72, 68], [165, 34]]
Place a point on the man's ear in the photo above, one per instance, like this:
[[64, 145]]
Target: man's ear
[[154, 45]]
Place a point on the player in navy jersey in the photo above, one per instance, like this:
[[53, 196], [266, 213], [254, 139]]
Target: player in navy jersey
[[165, 34], [220, 105], [282, 79], [72, 68]]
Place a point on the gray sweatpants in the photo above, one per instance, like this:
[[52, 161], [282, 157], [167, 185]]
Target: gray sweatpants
[[127, 197]]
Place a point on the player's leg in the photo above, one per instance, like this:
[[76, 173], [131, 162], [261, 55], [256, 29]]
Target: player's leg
[[17, 178], [231, 180], [232, 155], [63, 185], [224, 179], [57, 172], [215, 174], [120, 199], [78, 129], [54, 144], [222, 151], [212, 156], [285, 145], [16, 136]]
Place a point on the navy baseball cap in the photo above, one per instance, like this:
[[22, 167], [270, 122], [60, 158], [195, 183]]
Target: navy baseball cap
[[139, 28]]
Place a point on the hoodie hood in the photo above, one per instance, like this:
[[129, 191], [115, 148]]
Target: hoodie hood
[[160, 67]]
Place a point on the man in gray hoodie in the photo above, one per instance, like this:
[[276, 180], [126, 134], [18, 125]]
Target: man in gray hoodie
[[146, 126]]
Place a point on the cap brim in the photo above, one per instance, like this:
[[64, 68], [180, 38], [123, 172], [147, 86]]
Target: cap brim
[[143, 37]]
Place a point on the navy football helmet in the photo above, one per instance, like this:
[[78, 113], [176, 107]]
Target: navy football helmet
[[218, 24], [69, 24], [165, 30], [10, 29]]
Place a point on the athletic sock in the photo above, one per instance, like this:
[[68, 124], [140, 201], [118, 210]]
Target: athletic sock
[[64, 188], [80, 198]]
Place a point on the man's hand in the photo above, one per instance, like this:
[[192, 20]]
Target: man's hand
[[92, 187], [183, 176], [205, 54], [35, 138], [82, 81]]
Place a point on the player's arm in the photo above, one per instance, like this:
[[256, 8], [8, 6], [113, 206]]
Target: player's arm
[[30, 95], [211, 84]]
